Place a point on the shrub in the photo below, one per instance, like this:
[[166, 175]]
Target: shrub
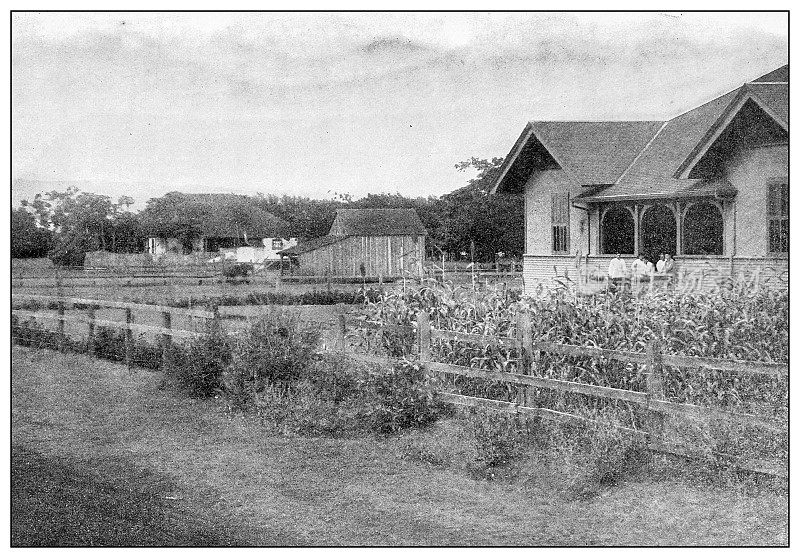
[[275, 350], [29, 333], [109, 343], [198, 366], [406, 398], [305, 408], [588, 457], [499, 437]]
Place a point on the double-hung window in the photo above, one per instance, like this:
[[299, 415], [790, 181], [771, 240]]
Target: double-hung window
[[778, 215], [560, 223]]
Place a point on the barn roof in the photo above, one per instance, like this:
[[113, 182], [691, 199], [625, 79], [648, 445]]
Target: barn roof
[[616, 160], [377, 222], [231, 215]]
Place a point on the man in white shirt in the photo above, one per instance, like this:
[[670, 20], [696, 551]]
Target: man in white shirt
[[617, 272], [639, 268], [617, 268]]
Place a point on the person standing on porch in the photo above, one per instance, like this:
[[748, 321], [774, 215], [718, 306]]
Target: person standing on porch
[[617, 268], [660, 264], [639, 268], [617, 272], [669, 264]]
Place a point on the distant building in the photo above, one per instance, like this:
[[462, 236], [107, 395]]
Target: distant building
[[709, 186], [377, 242], [226, 232]]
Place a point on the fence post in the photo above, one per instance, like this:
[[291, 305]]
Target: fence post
[[128, 338], [424, 336], [90, 349], [61, 336], [655, 387], [655, 382], [166, 339], [341, 331], [524, 338]]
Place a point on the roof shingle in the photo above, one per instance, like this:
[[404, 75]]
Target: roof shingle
[[641, 159], [774, 95], [595, 152], [377, 222], [779, 75]]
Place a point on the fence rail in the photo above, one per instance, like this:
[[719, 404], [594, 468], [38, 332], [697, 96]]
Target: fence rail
[[678, 361], [189, 312], [652, 400]]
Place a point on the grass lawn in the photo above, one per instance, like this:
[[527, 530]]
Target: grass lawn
[[101, 456]]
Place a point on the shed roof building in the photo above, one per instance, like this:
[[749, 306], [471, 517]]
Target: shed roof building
[[375, 242]]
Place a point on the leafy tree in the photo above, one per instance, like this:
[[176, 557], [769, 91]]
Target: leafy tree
[[28, 239], [80, 222], [471, 215], [307, 218], [128, 235], [174, 215]]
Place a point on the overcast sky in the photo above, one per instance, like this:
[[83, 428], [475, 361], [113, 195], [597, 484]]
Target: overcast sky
[[312, 104]]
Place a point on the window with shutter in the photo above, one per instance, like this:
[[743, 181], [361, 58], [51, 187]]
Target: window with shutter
[[778, 215], [560, 223]]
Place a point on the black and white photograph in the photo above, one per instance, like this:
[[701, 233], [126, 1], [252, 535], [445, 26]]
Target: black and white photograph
[[399, 279]]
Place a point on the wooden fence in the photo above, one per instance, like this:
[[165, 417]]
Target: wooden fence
[[653, 399], [165, 331]]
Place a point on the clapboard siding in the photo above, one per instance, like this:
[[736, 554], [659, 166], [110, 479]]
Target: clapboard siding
[[386, 256]]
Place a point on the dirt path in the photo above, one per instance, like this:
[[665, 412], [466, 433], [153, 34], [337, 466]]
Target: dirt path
[[223, 480]]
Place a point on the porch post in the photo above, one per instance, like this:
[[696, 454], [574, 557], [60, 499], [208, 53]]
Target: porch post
[[678, 231], [636, 229]]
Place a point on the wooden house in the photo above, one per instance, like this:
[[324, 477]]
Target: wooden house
[[228, 224], [710, 186], [370, 242]]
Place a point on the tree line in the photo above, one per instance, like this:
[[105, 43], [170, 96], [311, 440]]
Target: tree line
[[467, 223]]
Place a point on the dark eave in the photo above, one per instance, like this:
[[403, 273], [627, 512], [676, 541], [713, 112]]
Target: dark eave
[[527, 154]]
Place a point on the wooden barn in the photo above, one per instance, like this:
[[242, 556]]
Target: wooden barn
[[371, 242], [709, 186]]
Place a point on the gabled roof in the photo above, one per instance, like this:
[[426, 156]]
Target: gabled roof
[[774, 95], [595, 152], [641, 159], [377, 222], [590, 152], [781, 75], [223, 215]]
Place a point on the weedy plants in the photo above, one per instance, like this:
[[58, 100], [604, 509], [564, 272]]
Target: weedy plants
[[197, 367], [500, 437], [268, 298], [109, 343], [583, 459]]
